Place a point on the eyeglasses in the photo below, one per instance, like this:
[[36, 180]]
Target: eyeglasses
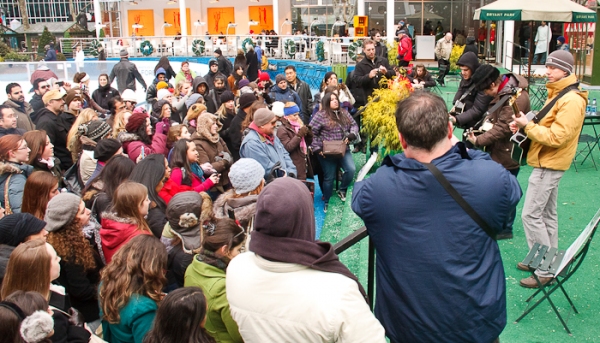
[[23, 148], [44, 87], [121, 107]]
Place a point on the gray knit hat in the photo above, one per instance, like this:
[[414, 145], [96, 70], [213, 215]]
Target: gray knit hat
[[183, 214], [61, 210], [94, 130], [245, 175], [263, 116], [279, 78], [562, 60]]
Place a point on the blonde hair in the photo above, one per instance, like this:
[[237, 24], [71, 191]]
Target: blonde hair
[[119, 123], [179, 86], [73, 144]]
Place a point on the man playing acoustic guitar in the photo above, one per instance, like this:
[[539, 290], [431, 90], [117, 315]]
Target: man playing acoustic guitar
[[553, 145], [509, 92]]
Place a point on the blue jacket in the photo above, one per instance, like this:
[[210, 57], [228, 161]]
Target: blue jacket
[[18, 176], [257, 147], [285, 95], [136, 320], [439, 275]]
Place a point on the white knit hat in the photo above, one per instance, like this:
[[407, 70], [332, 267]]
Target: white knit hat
[[128, 95], [277, 108], [162, 93], [245, 175]]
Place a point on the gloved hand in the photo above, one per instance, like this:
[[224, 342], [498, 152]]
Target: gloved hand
[[351, 137], [76, 317], [303, 131], [226, 156]]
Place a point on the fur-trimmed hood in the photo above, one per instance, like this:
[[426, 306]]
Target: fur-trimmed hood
[[125, 136], [204, 122], [117, 231], [244, 207], [14, 168]]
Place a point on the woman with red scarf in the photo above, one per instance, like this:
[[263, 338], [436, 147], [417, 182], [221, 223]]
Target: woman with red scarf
[[185, 74]]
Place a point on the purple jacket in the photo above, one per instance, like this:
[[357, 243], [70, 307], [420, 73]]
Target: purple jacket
[[322, 131]]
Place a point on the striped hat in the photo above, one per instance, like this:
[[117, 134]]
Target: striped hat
[[562, 60]]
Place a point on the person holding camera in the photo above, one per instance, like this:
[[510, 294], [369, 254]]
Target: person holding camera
[[334, 123], [296, 138]]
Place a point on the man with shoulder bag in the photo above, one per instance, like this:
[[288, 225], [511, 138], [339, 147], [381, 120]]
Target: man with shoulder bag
[[554, 141]]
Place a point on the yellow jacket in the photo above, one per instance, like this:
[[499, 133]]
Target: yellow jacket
[[554, 139]]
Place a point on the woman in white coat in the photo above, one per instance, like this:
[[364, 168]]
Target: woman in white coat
[[291, 288]]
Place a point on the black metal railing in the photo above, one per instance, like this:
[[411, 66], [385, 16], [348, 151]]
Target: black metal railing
[[350, 241]]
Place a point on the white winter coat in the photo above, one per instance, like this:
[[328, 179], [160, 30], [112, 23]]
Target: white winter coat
[[286, 302]]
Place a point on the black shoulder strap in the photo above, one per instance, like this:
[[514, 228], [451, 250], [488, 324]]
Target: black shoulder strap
[[541, 114], [460, 200], [494, 108], [466, 94]]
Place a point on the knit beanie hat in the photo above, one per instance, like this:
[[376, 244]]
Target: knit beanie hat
[[484, 76], [15, 228], [247, 100], [245, 175], [135, 121], [263, 116], [291, 110], [61, 210], [94, 130], [213, 62], [243, 83], [279, 78], [227, 96], [218, 51], [562, 60], [277, 108], [183, 214], [192, 99], [106, 148], [162, 85], [561, 39], [264, 76], [129, 95], [162, 93], [73, 94], [37, 327]]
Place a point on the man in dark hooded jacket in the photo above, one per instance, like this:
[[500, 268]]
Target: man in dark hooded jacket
[[161, 75], [475, 102], [213, 70], [225, 66], [213, 98]]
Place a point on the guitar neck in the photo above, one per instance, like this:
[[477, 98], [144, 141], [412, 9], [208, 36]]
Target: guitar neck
[[515, 108]]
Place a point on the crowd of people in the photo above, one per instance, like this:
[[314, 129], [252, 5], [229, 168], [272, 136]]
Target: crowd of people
[[166, 225]]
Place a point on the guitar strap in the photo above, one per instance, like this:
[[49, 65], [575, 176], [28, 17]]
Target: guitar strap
[[541, 114], [466, 94], [494, 108]]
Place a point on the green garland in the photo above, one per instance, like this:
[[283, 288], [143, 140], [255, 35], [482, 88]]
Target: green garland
[[94, 45], [246, 42], [290, 48], [198, 47], [320, 51], [353, 48], [146, 48]]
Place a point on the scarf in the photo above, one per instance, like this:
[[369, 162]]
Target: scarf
[[270, 139], [296, 127], [196, 170], [284, 230], [49, 162], [210, 258], [188, 76]]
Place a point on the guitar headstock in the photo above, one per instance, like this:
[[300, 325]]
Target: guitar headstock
[[513, 101]]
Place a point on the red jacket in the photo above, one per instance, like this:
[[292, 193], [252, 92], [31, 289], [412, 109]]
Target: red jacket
[[133, 149], [115, 232], [405, 49], [170, 189]]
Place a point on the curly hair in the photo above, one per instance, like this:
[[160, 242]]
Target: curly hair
[[72, 246], [137, 268]]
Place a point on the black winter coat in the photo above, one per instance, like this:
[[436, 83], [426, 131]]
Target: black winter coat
[[36, 103], [305, 94], [156, 220], [57, 127], [362, 80], [252, 65], [102, 96], [126, 73], [235, 134], [476, 103], [177, 264]]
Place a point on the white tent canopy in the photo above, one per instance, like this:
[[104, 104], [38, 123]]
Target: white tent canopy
[[538, 10]]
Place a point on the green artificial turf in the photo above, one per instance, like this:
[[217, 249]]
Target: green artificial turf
[[578, 201]]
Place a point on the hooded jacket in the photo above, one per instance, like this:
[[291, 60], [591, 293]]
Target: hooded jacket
[[23, 111], [116, 232], [102, 96], [126, 73], [244, 207], [497, 139], [470, 46], [132, 145], [198, 80], [11, 131], [462, 295], [476, 102], [18, 176], [208, 151], [266, 153], [36, 103], [151, 91], [213, 99], [554, 139], [291, 142], [285, 95]]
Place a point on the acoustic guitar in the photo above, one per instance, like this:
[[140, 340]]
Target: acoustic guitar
[[520, 141]]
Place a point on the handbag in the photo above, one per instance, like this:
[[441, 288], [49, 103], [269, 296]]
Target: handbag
[[7, 209], [334, 149], [72, 181]]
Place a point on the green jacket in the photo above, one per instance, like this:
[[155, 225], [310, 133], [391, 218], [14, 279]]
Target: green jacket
[[136, 320], [211, 279]]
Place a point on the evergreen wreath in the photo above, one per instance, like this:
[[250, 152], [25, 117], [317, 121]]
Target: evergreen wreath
[[94, 45], [320, 51], [146, 48], [290, 48], [198, 47], [353, 49], [245, 42]]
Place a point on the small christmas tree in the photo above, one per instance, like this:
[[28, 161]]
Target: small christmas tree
[[45, 39], [102, 34], [67, 44]]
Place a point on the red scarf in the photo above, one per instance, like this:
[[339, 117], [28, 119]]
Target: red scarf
[[269, 138]]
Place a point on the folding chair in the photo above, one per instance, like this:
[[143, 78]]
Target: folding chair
[[591, 143], [561, 264]]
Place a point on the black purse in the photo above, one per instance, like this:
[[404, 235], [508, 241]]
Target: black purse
[[72, 180]]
